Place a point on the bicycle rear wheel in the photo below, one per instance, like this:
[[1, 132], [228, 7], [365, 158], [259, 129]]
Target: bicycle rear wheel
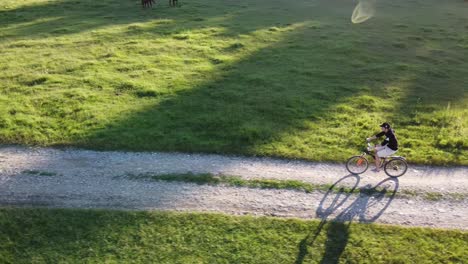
[[357, 164], [396, 167]]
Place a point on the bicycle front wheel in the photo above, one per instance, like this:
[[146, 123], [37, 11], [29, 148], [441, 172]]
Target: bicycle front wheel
[[357, 164], [396, 167]]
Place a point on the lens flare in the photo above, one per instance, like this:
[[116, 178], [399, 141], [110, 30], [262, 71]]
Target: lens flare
[[364, 10]]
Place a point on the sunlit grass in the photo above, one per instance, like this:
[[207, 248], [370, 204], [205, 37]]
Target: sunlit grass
[[275, 78]]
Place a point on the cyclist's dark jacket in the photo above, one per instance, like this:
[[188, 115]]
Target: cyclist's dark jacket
[[390, 140]]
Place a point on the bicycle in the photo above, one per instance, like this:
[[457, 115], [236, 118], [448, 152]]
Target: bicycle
[[394, 166]]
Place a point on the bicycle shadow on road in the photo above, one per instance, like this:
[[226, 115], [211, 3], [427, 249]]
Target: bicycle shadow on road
[[340, 206]]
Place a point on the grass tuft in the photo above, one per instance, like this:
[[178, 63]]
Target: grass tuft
[[237, 181], [40, 173]]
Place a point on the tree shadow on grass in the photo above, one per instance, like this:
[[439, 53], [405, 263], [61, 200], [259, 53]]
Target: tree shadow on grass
[[247, 104], [61, 233], [251, 88], [250, 105], [341, 207], [77, 236], [65, 17]]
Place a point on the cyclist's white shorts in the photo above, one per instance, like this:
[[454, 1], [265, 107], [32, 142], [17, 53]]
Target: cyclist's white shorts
[[385, 152]]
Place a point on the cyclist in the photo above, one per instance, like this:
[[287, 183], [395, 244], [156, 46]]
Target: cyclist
[[388, 147]]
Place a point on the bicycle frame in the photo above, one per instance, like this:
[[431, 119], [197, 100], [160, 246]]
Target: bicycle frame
[[390, 164]]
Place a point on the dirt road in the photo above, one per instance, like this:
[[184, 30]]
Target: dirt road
[[87, 179]]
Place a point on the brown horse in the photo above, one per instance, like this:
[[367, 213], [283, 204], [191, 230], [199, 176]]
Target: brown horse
[[147, 3]]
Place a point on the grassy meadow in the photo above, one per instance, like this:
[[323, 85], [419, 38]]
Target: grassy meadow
[[292, 79], [84, 236]]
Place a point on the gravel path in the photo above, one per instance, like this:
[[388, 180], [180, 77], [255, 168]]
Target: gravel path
[[89, 179]]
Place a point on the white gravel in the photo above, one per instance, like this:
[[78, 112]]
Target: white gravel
[[89, 179]]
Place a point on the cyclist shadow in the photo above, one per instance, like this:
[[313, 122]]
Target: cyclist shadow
[[340, 206]]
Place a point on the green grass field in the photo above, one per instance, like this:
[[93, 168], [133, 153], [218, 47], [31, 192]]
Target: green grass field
[[71, 236], [292, 79]]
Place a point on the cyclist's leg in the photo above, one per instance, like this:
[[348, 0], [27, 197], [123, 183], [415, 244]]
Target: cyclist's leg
[[377, 157], [377, 163], [382, 153]]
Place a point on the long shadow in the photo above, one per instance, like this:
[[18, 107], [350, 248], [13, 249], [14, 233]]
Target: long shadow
[[65, 17], [379, 196], [49, 235], [270, 79], [426, 44], [331, 201], [253, 88], [268, 95], [274, 88], [430, 49]]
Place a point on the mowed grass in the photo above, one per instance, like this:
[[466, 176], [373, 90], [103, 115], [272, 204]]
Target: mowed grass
[[69, 236], [292, 79]]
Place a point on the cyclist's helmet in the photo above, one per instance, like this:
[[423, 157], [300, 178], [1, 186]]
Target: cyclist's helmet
[[385, 125]]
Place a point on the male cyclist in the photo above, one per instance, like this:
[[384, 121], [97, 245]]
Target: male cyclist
[[388, 147]]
